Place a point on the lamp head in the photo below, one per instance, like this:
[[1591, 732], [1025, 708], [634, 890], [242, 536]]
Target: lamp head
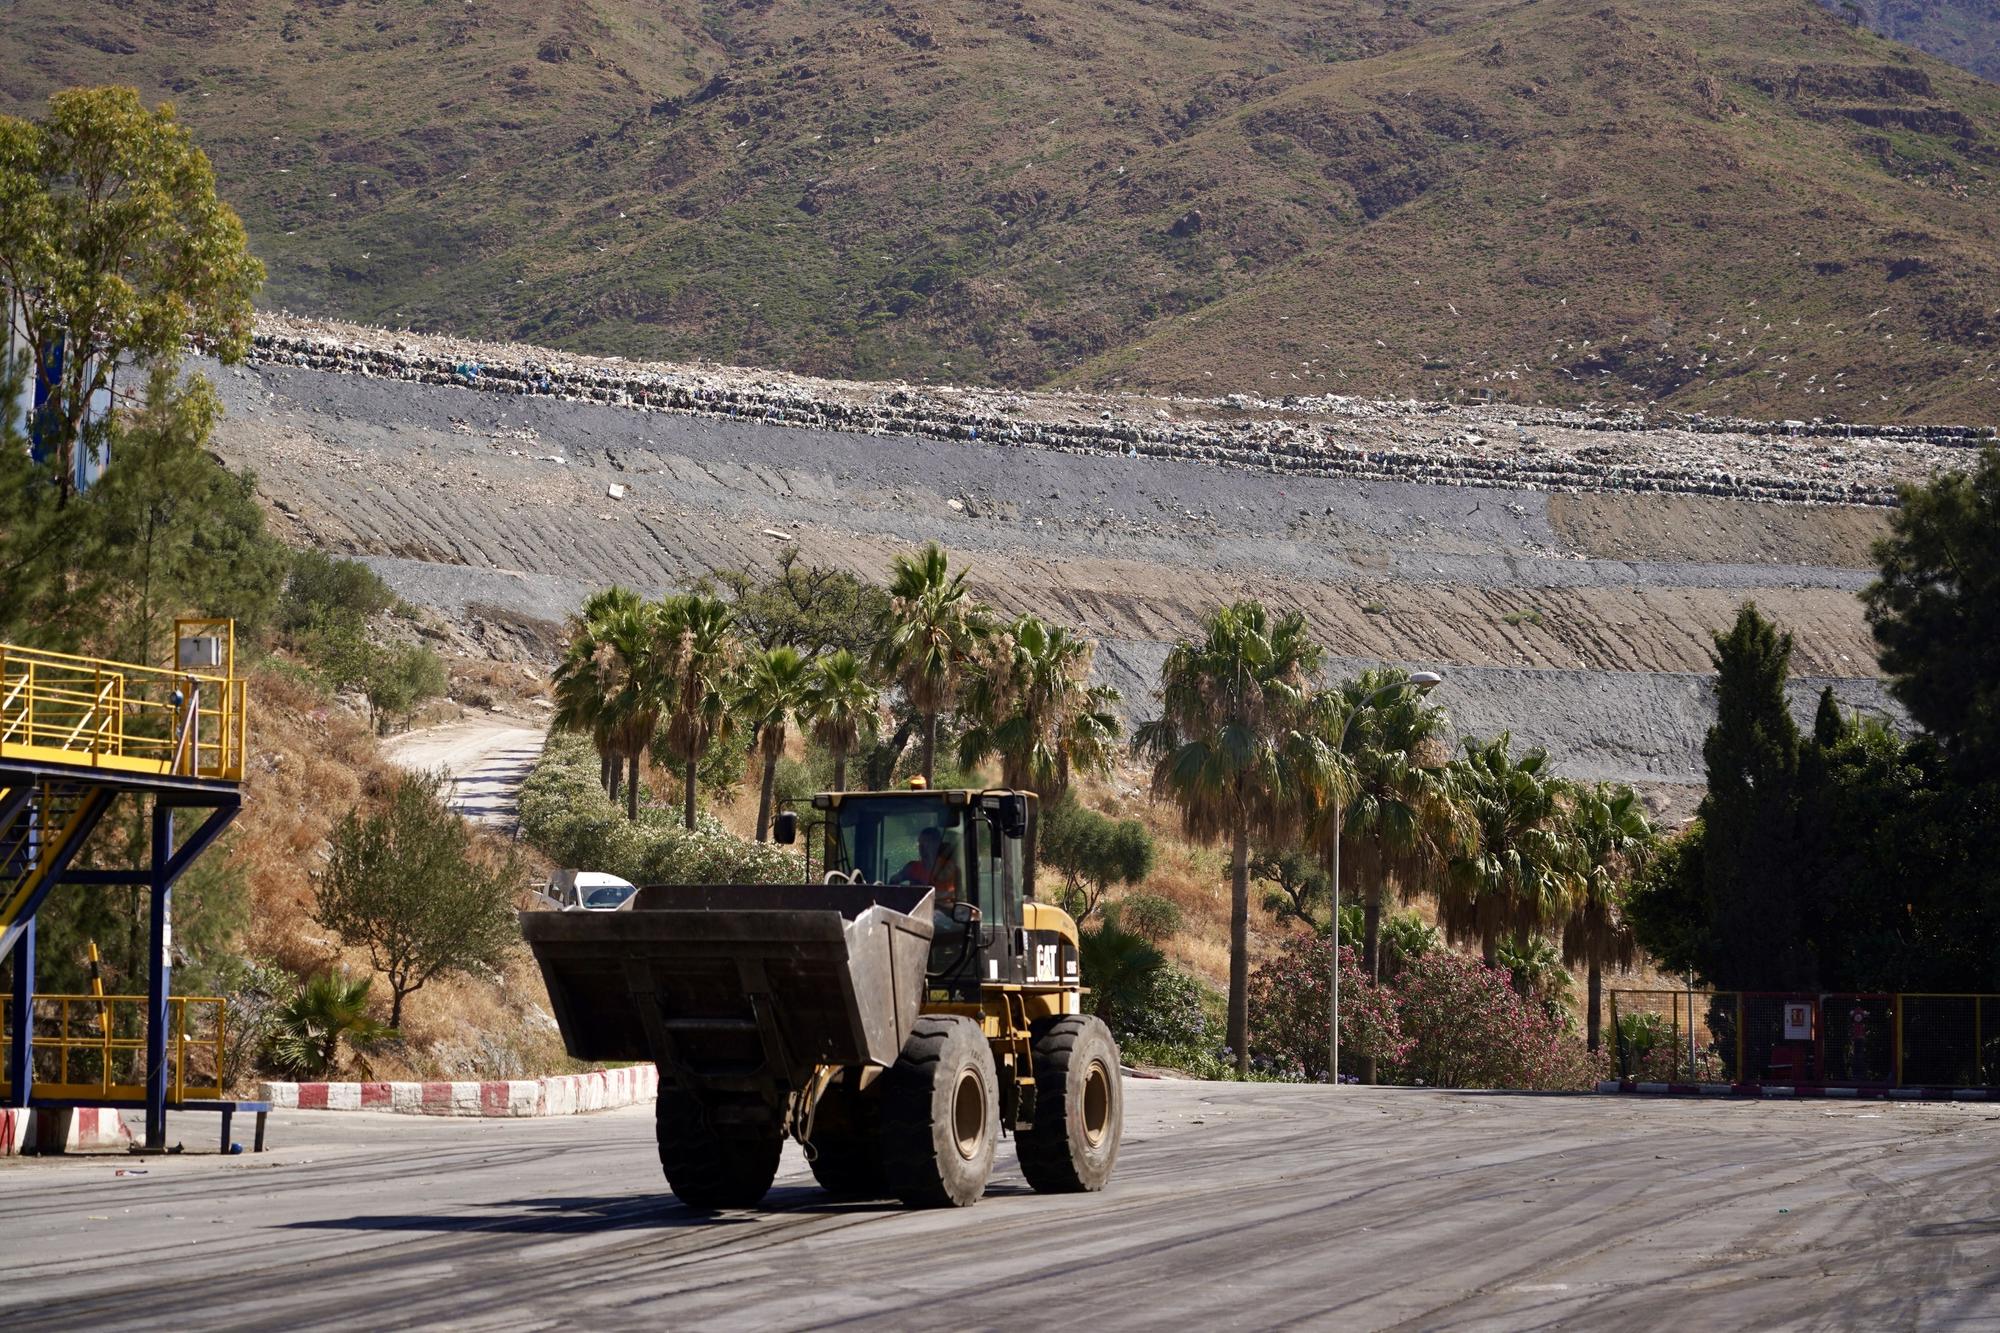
[[1425, 681]]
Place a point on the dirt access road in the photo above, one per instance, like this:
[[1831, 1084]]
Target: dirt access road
[[488, 759], [1257, 1206]]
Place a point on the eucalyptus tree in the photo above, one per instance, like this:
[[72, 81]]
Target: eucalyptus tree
[[117, 253], [1231, 750], [934, 628], [843, 708], [1032, 704]]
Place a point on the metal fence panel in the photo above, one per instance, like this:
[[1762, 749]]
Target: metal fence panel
[[1675, 1036], [1940, 1040], [1858, 1043]]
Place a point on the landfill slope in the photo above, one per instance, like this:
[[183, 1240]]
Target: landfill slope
[[1577, 618]]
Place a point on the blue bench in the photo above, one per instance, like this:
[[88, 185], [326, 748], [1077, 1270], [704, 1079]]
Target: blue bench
[[227, 1108]]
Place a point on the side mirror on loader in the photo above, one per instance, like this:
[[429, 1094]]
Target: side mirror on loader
[[1014, 816], [785, 827]]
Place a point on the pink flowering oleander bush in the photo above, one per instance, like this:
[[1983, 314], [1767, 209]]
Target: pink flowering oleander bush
[[1446, 1021], [1467, 1027], [1289, 1007]]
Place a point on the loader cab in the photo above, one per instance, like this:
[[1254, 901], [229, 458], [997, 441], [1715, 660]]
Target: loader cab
[[969, 847]]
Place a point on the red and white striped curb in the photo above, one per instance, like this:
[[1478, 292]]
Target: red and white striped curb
[[56, 1130], [560, 1094], [1784, 1090]]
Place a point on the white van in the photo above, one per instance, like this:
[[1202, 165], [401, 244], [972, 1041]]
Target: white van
[[589, 891]]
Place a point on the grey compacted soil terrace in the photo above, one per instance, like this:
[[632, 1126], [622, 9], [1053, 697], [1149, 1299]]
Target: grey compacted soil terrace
[[1579, 620], [1233, 1206]]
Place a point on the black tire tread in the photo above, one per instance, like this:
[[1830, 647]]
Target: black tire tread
[[1048, 1158], [709, 1171], [909, 1157], [846, 1156]]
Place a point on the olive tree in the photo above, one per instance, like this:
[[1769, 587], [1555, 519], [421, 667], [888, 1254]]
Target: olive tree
[[406, 883]]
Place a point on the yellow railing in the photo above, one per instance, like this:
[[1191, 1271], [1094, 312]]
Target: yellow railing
[[79, 1052], [57, 707], [1910, 1038]]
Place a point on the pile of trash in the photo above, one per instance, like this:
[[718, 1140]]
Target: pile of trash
[[1486, 445]]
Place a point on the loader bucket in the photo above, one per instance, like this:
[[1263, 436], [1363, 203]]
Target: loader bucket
[[744, 987]]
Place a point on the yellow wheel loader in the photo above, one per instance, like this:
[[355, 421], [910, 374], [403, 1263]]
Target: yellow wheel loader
[[896, 1011]]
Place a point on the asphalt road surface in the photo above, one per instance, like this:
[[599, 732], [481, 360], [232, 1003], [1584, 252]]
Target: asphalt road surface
[[1233, 1206]]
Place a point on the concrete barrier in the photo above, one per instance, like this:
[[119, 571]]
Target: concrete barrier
[[1786, 1091], [559, 1094], [62, 1129]]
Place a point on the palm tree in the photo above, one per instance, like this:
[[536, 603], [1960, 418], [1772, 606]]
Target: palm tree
[[1228, 749], [1523, 874], [1032, 704], [631, 636], [607, 684], [773, 694], [1405, 819], [313, 1022], [841, 707], [698, 649], [1119, 966], [934, 627], [1538, 972], [1616, 841], [586, 678]]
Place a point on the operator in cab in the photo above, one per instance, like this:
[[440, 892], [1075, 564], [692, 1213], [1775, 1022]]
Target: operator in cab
[[935, 865]]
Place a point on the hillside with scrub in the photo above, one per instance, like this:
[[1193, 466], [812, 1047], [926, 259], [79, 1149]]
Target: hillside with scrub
[[1751, 208]]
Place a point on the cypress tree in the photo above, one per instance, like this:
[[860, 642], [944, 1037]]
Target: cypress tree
[[1751, 866]]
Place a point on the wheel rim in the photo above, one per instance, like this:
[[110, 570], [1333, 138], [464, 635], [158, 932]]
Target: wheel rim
[[1096, 1104], [968, 1114]]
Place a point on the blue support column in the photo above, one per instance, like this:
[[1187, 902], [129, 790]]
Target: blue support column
[[157, 979], [21, 1054]]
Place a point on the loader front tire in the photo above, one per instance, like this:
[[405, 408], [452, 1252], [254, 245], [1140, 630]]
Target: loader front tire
[[1079, 1107], [941, 1115], [846, 1147], [708, 1170]]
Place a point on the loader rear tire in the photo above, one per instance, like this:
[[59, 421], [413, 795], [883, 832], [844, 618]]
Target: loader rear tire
[[846, 1148], [708, 1170], [1079, 1107], [941, 1115]]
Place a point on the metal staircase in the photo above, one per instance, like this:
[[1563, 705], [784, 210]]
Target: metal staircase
[[76, 733], [41, 827]]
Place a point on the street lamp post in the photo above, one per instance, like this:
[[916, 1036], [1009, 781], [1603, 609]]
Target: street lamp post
[[1423, 682]]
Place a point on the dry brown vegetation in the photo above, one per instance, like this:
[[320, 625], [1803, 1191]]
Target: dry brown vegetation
[[311, 761]]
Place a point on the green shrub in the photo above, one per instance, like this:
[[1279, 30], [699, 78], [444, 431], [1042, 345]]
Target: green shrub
[[399, 678], [799, 782], [1148, 914], [1092, 853], [1119, 967], [568, 818], [1174, 1010], [311, 1025], [321, 586]]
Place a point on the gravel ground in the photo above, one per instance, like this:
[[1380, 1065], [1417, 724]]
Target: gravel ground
[[487, 759], [1233, 1206], [1577, 621]]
